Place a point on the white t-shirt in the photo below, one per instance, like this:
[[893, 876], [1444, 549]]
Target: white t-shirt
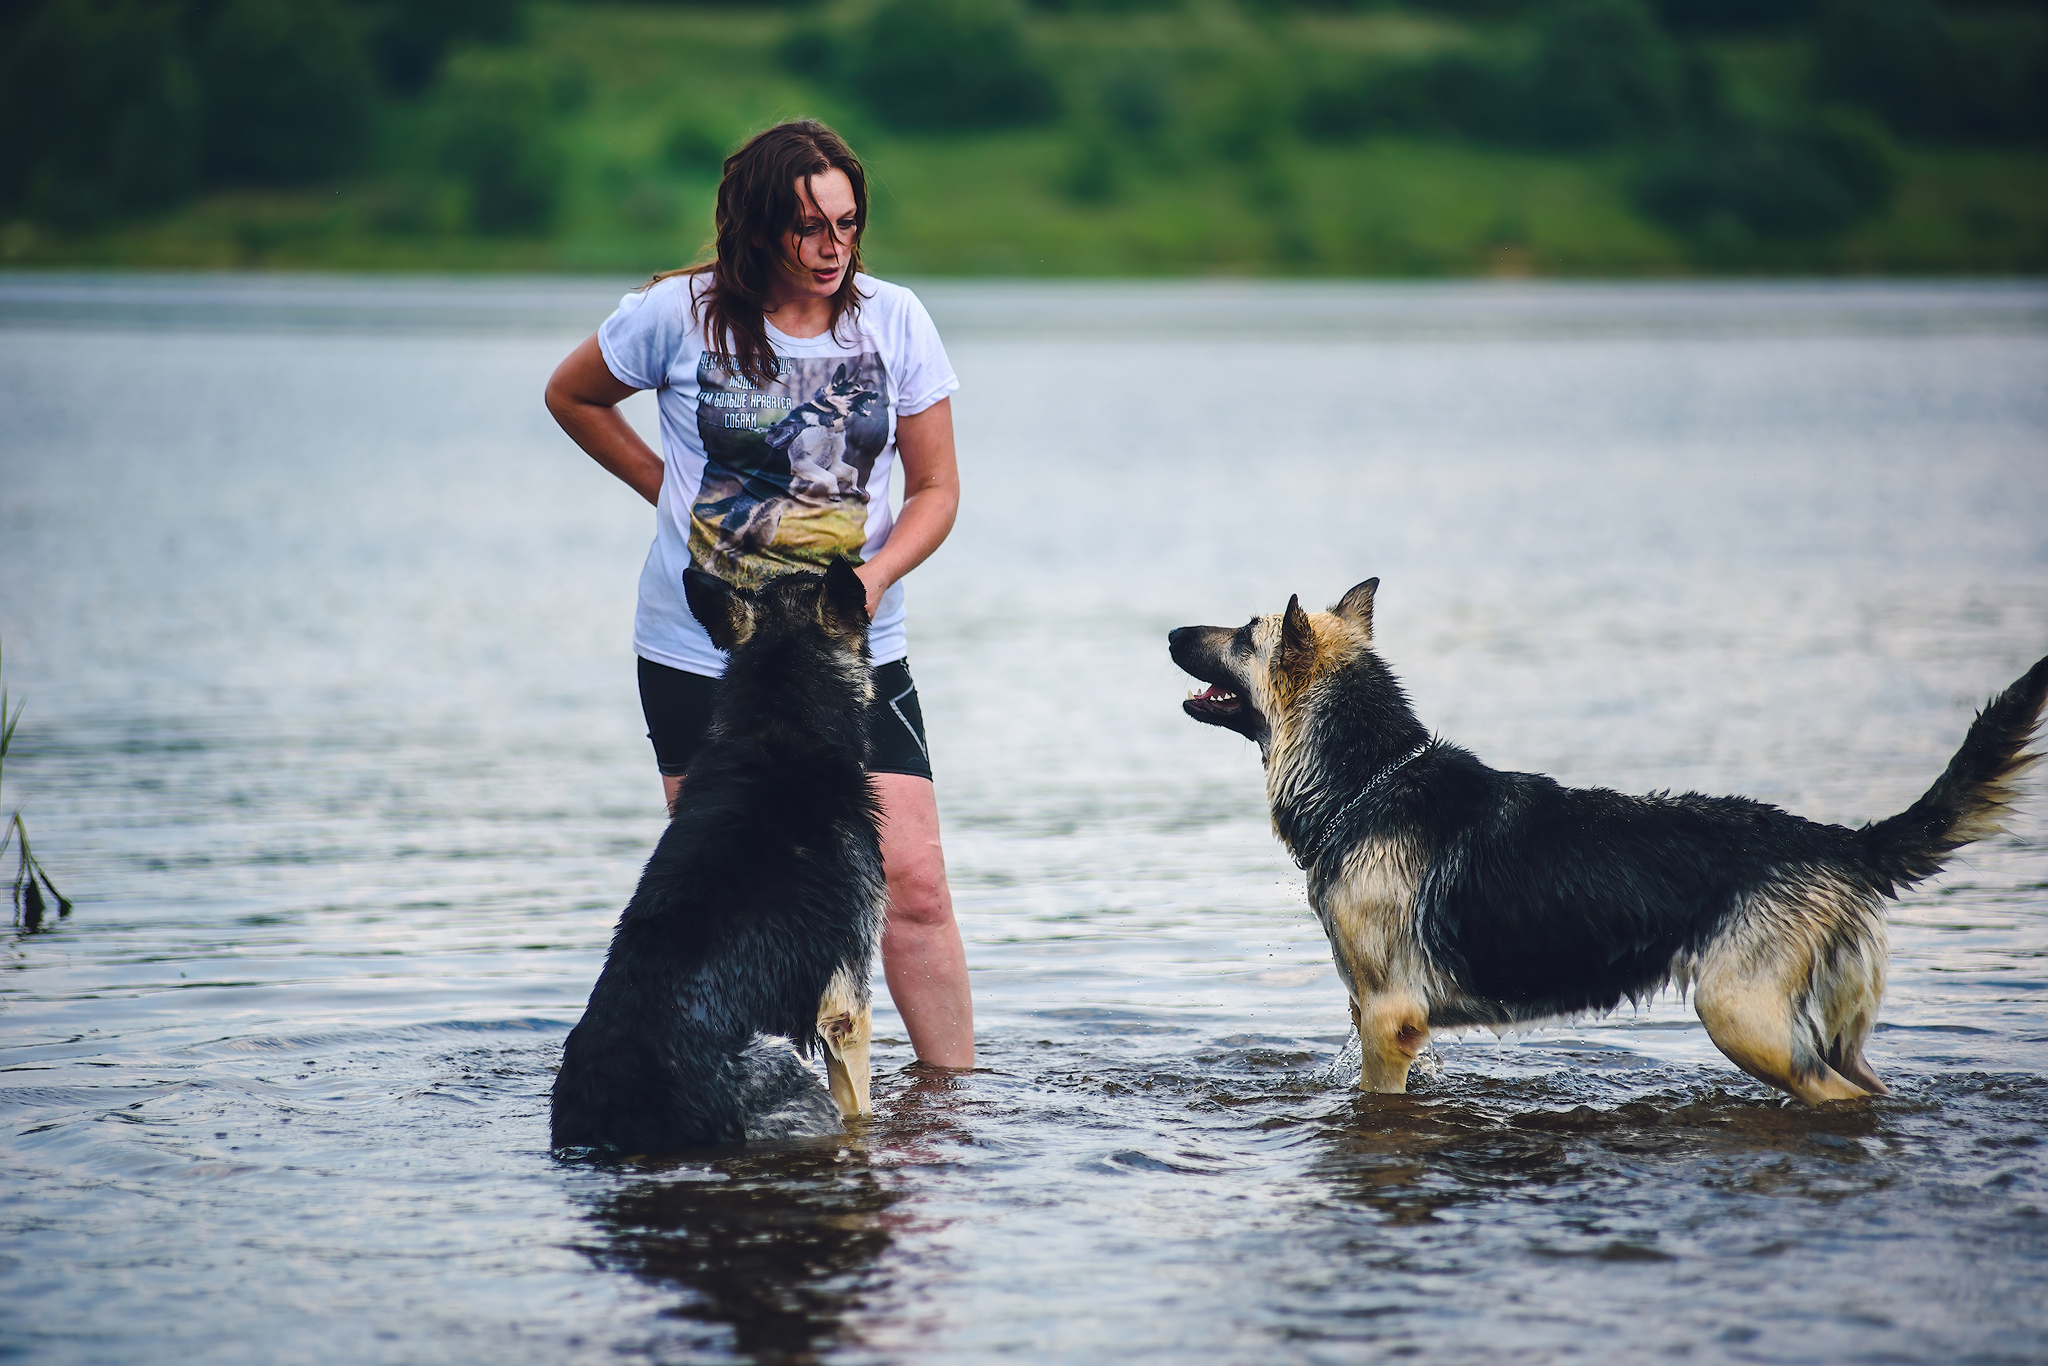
[[764, 480]]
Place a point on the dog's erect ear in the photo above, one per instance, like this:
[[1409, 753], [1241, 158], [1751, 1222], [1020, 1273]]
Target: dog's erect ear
[[839, 375], [725, 613], [1356, 606], [1297, 652], [845, 599]]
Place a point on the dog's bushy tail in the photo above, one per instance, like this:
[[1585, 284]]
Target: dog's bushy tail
[[778, 1096], [1970, 799]]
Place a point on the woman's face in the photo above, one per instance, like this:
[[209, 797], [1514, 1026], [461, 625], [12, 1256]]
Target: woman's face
[[817, 249]]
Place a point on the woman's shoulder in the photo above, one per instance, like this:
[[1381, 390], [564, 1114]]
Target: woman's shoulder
[[886, 305], [676, 292], [653, 327]]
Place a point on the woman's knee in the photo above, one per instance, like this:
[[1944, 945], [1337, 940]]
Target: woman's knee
[[912, 856], [918, 895]]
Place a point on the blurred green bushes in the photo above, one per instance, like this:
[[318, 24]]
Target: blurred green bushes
[[1729, 184], [1733, 16], [1585, 74], [103, 108], [932, 64], [1411, 136], [116, 106], [1589, 73], [286, 91], [1925, 75], [497, 137]]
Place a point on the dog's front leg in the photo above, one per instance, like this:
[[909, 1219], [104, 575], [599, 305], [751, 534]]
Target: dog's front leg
[[847, 1025], [1392, 1031]]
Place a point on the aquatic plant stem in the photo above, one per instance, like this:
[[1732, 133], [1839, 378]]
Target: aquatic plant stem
[[30, 877]]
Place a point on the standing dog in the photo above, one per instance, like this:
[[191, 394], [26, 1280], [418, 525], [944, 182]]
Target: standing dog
[[752, 933], [1456, 895]]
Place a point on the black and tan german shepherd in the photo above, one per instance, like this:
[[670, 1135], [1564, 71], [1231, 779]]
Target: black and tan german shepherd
[[750, 939], [845, 397], [1455, 895]]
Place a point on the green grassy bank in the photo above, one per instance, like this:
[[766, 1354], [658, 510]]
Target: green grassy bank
[[1172, 140]]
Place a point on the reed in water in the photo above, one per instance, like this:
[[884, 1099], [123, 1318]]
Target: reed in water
[[31, 879]]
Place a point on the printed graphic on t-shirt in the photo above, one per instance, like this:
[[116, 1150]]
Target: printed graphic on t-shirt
[[786, 464]]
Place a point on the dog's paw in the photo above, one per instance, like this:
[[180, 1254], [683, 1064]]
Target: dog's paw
[[836, 1030]]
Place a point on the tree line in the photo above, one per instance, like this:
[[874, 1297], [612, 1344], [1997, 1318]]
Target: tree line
[[1569, 76], [121, 107]]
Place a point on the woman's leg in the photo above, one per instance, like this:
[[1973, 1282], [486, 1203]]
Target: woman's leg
[[921, 951], [922, 955]]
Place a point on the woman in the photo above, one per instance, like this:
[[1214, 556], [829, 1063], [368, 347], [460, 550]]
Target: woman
[[789, 383]]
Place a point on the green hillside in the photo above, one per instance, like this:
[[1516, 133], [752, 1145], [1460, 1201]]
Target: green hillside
[[1573, 137]]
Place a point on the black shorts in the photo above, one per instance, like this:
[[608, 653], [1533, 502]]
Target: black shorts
[[678, 710]]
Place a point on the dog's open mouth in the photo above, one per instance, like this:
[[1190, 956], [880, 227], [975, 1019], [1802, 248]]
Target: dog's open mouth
[[1216, 705], [1207, 653]]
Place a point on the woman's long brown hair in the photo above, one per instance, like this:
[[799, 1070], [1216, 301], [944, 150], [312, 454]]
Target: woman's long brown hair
[[757, 205]]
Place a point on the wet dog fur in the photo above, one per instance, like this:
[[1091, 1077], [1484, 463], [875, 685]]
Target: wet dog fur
[[1455, 895], [749, 942]]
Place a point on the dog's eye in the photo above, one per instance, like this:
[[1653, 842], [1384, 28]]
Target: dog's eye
[[1242, 640]]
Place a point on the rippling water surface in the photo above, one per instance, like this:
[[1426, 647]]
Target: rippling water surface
[[331, 731]]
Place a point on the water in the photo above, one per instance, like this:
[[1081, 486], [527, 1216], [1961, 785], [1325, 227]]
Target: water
[[331, 731]]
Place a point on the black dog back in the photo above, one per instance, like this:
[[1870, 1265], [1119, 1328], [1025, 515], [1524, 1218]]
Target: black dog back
[[767, 883]]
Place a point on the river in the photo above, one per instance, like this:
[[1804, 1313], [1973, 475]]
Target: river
[[323, 635]]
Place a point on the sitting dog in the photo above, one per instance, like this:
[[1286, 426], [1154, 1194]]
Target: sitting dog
[[751, 935], [1455, 895]]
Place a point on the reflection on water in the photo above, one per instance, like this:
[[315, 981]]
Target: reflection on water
[[331, 728], [773, 1250], [778, 1252]]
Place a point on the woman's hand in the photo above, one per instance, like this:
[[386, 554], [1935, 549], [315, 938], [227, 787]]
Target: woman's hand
[[584, 395], [931, 499], [875, 585]]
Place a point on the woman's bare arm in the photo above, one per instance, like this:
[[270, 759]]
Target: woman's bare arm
[[584, 395], [931, 498]]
